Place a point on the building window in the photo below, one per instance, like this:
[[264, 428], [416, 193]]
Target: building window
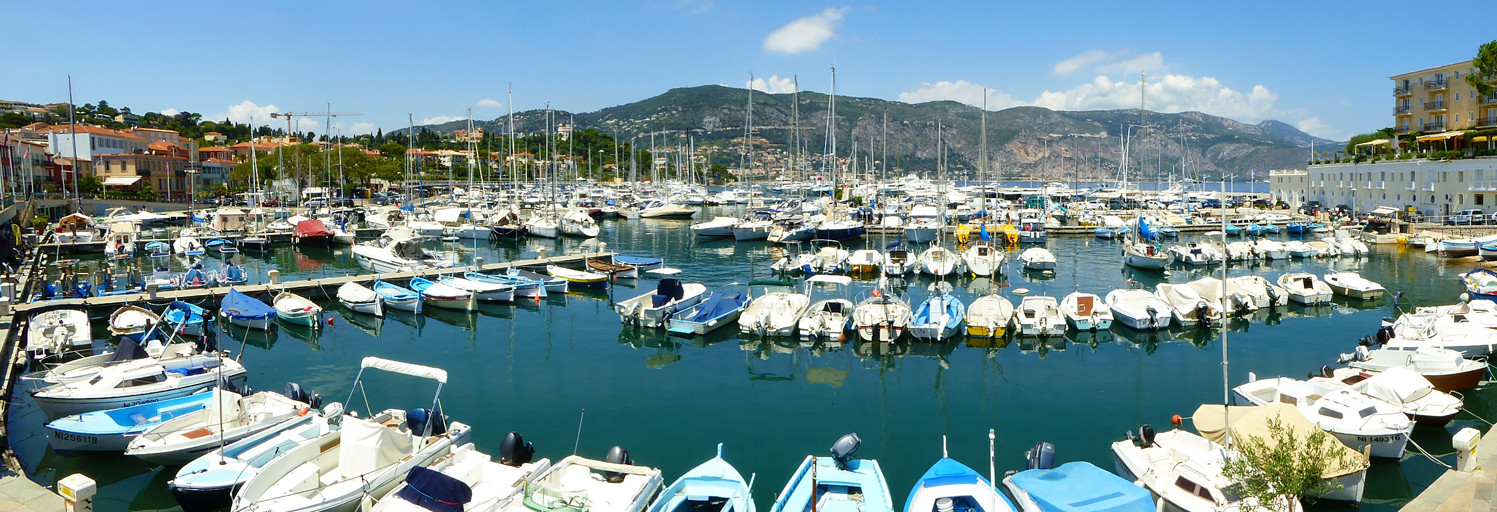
[[1481, 199]]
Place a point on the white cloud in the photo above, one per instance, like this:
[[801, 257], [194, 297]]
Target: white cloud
[[248, 111], [361, 128], [1314, 126], [489, 102], [1170, 93], [1079, 62], [806, 33], [441, 119], [170, 112], [1141, 64], [773, 85], [960, 91]]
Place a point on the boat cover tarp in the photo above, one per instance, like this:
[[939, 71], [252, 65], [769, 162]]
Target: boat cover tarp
[[717, 305], [1398, 385], [636, 261], [414, 370], [1481, 281], [356, 293], [311, 228], [1082, 487], [243, 307], [368, 447], [434, 491], [668, 290], [1180, 297], [128, 350], [1252, 421]]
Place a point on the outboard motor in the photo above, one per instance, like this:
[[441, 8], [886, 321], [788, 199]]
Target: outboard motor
[[1203, 314], [1042, 456], [514, 451], [334, 413], [1153, 316], [1384, 333], [1326, 371], [845, 447], [1146, 435], [295, 392], [425, 422], [616, 455], [1273, 296]]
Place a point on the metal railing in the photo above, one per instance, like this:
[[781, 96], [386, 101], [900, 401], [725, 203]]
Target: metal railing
[[1402, 109], [1402, 130], [1483, 123], [1487, 100], [1434, 85], [1434, 105], [1434, 127], [1402, 90]]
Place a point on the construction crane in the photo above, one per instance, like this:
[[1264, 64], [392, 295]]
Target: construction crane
[[328, 115]]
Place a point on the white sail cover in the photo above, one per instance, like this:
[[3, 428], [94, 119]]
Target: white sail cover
[[1398, 385], [1180, 297], [1248, 422], [368, 447], [414, 370]]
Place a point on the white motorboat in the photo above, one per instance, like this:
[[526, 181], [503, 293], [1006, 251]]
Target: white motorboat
[[827, 317], [718, 227], [136, 381], [883, 316], [1425, 329], [1323, 249], [663, 210], [776, 312], [897, 262], [54, 332], [938, 261], [924, 224], [983, 260], [1353, 285], [578, 224], [1445, 369], [399, 249], [1240, 251], [188, 246], [652, 309], [989, 316], [1347, 468], [1086, 312], [1305, 288], [830, 257], [360, 299], [1146, 256], [364, 459], [228, 418], [616, 485], [297, 310], [210, 481], [1195, 255], [1037, 258], [1233, 303], [1402, 387], [1265, 295], [1039, 315], [1139, 309], [119, 242], [543, 225], [864, 262], [1301, 250], [795, 260], [1186, 306], [1271, 250], [1182, 469], [752, 230], [74, 228], [492, 486], [940, 316], [1357, 419]]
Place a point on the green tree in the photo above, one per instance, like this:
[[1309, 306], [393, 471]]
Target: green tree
[[90, 185], [146, 192], [1282, 470], [1484, 80], [392, 150]]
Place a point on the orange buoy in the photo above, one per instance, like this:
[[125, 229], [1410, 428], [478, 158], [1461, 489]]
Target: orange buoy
[[1175, 420], [329, 321]]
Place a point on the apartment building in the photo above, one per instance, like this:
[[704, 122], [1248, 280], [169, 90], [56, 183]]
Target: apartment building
[[1288, 185], [1439, 99], [92, 141]]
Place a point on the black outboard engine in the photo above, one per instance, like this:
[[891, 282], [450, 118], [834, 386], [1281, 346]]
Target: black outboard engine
[[514, 451], [1203, 314], [1385, 333], [295, 392], [1326, 371], [420, 420], [617, 455], [1146, 435], [1153, 316], [1042, 456], [845, 447]]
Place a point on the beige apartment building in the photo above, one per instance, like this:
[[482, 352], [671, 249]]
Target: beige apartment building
[[1439, 99]]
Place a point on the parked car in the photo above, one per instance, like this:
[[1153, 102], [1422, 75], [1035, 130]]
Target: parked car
[[316, 202], [269, 203], [1467, 217], [342, 201]]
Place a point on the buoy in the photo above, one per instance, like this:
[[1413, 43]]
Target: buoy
[[875, 292], [329, 321], [1175, 420]]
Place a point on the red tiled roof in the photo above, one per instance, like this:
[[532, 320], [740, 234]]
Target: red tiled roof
[[96, 130]]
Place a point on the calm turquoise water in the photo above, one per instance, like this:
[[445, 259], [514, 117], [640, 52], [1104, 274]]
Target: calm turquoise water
[[535, 367]]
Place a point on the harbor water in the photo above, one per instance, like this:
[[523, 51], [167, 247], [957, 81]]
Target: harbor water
[[535, 366]]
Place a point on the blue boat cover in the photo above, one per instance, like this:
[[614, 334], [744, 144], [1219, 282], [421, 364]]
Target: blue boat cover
[[668, 290], [420, 284], [717, 305], [178, 311], [132, 419], [233, 272], [243, 307], [434, 491], [129, 350], [214, 242], [635, 261], [1082, 487]]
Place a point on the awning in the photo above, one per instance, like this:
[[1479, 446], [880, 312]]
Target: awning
[[1385, 211], [1479, 138], [121, 181], [1378, 142], [1442, 135]]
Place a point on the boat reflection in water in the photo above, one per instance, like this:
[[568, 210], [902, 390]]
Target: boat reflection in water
[[258, 338]]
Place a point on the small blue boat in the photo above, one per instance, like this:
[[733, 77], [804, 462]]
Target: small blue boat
[[523, 287], [1295, 228], [1233, 230], [940, 317], [223, 246], [397, 297], [951, 483], [195, 278], [245, 311], [720, 308], [185, 318], [158, 249], [713, 486], [1253, 229], [1480, 284], [1106, 233], [232, 274], [638, 262], [1077, 487], [1272, 229], [838, 483], [112, 430]]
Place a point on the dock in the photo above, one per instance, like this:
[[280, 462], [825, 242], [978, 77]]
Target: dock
[[1458, 491], [17, 492]]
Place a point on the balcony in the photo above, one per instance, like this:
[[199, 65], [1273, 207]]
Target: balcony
[[1434, 127], [1434, 105], [1490, 99], [1483, 123], [1483, 186], [1436, 85], [1429, 187], [1402, 109], [1369, 186], [1401, 130], [1382, 185], [1402, 90], [1411, 186]]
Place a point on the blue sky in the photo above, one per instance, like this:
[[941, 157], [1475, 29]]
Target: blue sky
[[1320, 65]]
